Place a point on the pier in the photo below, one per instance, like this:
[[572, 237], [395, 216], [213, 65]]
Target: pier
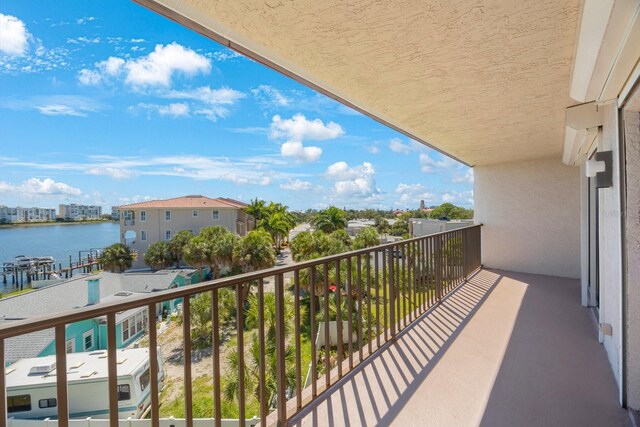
[[20, 273]]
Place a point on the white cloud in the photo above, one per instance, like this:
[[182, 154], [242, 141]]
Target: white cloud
[[301, 153], [268, 95], [429, 164], [115, 173], [84, 20], [464, 198], [297, 185], [39, 187], [357, 181], [84, 40], [172, 110], [467, 177], [409, 195], [222, 96], [60, 110], [56, 105], [14, 36], [397, 146], [298, 128], [373, 148], [153, 70]]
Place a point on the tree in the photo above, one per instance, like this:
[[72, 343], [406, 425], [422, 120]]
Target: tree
[[451, 211], [252, 361], [221, 244], [382, 225], [255, 251], [330, 220], [367, 238], [117, 258], [158, 257], [255, 208], [196, 253], [342, 236], [178, 243]]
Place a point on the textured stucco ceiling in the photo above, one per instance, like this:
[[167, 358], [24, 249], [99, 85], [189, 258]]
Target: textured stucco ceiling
[[484, 81]]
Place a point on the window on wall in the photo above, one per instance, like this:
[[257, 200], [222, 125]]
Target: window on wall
[[133, 325], [167, 235], [143, 215], [145, 379], [47, 403], [71, 345], [20, 403], [124, 392], [215, 215], [167, 215], [87, 339], [143, 235], [195, 213]]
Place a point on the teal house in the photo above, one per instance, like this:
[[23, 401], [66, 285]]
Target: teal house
[[90, 335]]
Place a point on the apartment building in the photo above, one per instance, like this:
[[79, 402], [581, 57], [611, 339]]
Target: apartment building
[[20, 214], [142, 224], [75, 212]]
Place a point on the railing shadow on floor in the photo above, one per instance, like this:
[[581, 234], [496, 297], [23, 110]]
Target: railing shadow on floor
[[415, 352]]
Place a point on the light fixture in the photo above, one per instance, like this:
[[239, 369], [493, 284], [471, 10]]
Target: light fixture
[[601, 167]]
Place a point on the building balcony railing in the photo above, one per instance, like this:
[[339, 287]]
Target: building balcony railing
[[367, 297], [129, 222]]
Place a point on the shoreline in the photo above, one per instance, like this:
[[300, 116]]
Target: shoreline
[[46, 224]]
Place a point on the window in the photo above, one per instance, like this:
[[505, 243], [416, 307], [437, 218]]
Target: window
[[215, 215], [145, 379], [20, 403], [47, 403], [87, 338], [167, 235], [195, 213], [139, 326], [143, 215], [125, 330], [124, 392], [167, 215], [71, 345], [143, 235]]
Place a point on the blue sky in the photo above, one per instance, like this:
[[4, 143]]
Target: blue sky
[[109, 103]]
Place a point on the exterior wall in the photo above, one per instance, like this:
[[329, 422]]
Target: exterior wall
[[75, 331], [632, 243], [19, 214], [181, 219], [610, 250], [79, 212], [530, 213]]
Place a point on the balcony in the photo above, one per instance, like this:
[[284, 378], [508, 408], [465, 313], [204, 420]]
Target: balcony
[[428, 336]]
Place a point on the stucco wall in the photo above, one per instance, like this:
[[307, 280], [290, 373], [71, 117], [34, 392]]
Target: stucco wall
[[531, 216], [632, 242]]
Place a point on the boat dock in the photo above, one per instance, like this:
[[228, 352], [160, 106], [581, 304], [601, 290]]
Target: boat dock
[[24, 270]]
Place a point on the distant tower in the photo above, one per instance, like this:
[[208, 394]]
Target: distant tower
[[422, 207]]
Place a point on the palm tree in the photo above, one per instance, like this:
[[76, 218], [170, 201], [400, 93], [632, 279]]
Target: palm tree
[[117, 258], [178, 243], [221, 244], [252, 362], [254, 252], [196, 253], [255, 208], [367, 238], [330, 220], [158, 257]]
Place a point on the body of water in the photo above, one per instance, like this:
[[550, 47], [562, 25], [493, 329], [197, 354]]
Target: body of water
[[58, 241]]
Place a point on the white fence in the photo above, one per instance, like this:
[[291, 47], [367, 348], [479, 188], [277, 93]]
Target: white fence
[[164, 422]]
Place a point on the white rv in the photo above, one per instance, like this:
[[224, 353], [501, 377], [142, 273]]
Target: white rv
[[31, 385]]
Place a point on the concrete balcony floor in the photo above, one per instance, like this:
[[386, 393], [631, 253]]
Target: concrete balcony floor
[[505, 349]]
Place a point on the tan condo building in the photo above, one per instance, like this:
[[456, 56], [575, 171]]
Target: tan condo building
[[142, 224]]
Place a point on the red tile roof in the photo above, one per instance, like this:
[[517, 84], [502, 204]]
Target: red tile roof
[[195, 201]]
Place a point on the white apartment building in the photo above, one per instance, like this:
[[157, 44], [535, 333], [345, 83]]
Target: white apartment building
[[142, 224], [75, 212], [20, 214]]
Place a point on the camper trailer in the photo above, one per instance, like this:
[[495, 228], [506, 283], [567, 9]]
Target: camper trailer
[[31, 385]]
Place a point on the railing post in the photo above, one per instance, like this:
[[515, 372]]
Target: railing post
[[392, 294], [3, 385], [153, 364], [438, 259], [280, 352], [112, 363]]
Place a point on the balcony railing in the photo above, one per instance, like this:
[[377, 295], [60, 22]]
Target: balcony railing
[[129, 222], [373, 293]]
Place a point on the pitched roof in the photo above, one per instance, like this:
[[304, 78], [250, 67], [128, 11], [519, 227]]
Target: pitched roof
[[193, 201]]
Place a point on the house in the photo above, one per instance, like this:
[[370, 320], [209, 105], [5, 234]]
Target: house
[[425, 226], [87, 290], [74, 212], [142, 224]]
